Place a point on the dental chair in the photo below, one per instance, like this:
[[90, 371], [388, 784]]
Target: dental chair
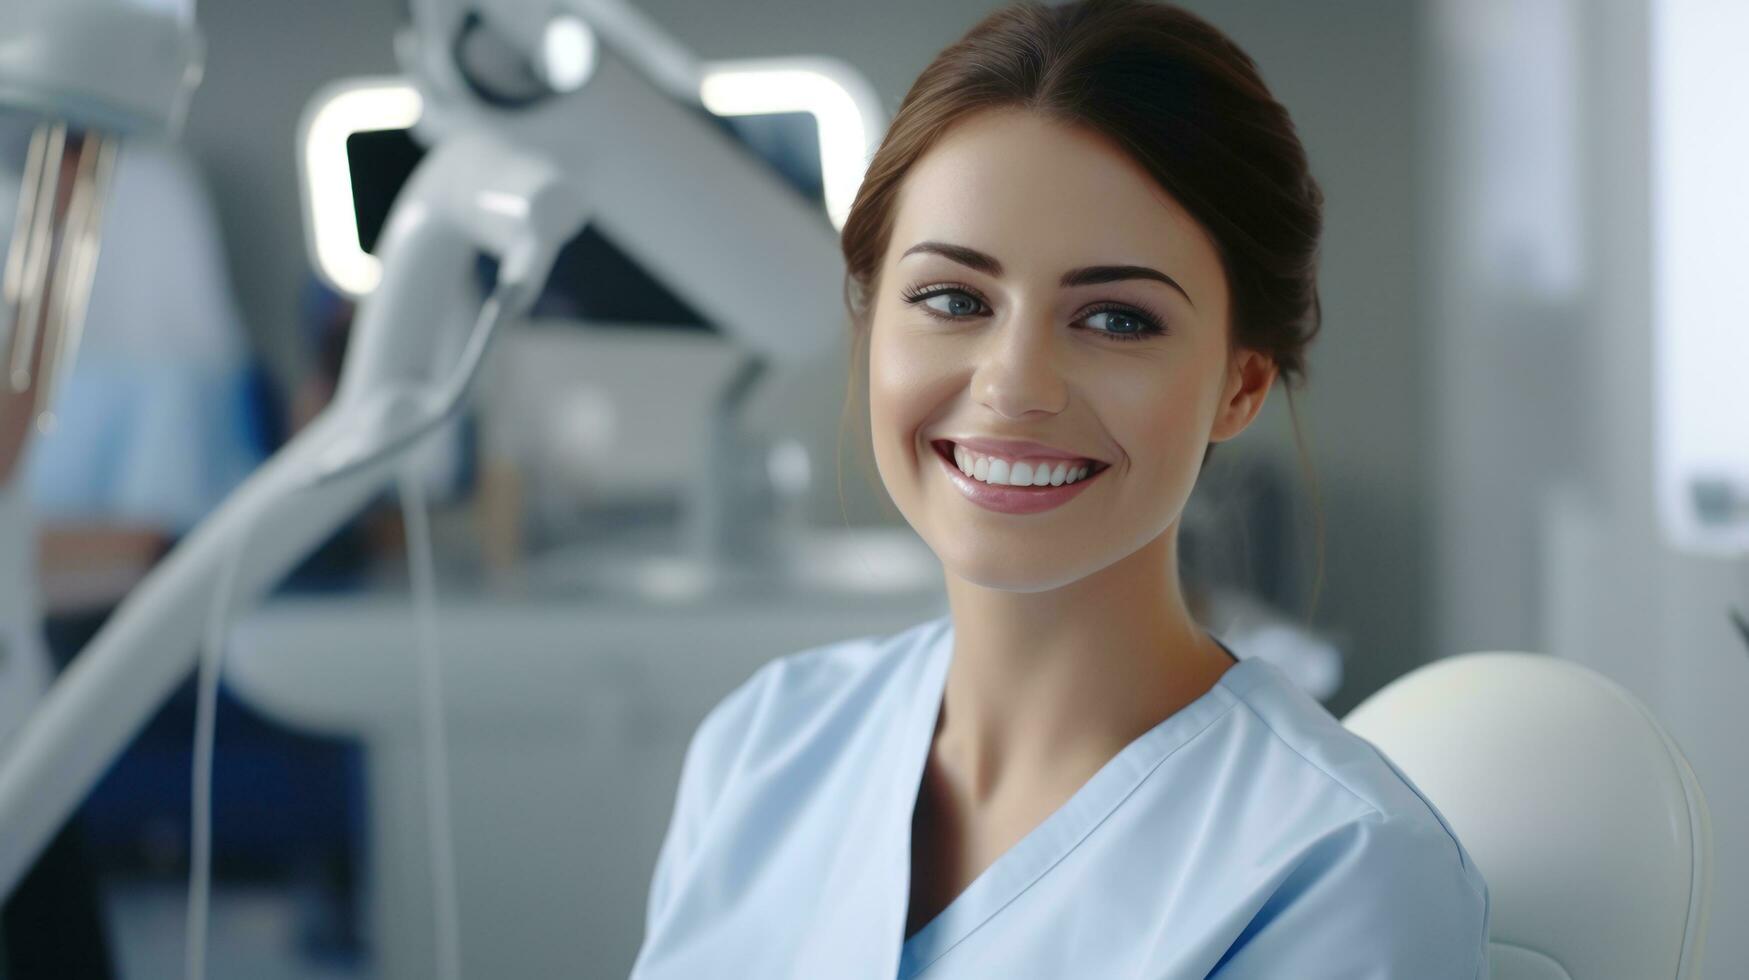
[[1578, 808]]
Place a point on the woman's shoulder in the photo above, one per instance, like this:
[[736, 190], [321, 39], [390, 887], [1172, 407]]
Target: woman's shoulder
[[1324, 750], [847, 679], [1367, 803], [821, 674], [1371, 843]]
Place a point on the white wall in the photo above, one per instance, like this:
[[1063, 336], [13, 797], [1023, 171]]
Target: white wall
[[1541, 232], [1654, 619]]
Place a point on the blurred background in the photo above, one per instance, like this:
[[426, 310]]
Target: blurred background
[[1506, 363]]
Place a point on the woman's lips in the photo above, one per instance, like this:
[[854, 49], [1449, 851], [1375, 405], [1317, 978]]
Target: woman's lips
[[1008, 499]]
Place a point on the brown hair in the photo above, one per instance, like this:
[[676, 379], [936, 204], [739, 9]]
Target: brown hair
[[1179, 97]]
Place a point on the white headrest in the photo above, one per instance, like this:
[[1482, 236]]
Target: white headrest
[[1579, 809]]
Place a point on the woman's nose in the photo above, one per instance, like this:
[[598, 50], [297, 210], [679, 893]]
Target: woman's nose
[[1018, 371]]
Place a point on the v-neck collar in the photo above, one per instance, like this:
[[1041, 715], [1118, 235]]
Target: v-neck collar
[[1029, 859]]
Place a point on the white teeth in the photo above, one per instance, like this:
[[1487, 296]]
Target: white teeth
[[1000, 472]]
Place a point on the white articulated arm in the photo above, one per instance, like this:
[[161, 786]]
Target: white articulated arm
[[471, 194]]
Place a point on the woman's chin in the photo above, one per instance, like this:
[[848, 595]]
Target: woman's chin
[[1024, 574]]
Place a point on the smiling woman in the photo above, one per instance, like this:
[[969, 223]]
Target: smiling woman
[[1083, 254]]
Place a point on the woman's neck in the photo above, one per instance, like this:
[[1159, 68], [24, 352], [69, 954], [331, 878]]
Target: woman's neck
[[1049, 685]]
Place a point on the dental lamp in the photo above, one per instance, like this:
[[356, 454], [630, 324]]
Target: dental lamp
[[540, 116]]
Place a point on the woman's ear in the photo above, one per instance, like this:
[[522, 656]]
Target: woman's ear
[[1249, 378]]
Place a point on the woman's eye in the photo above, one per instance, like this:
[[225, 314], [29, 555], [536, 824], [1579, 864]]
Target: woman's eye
[[1121, 324], [952, 302], [1117, 322]]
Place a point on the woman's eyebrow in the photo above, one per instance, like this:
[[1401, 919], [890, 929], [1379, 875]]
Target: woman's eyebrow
[[1091, 275]]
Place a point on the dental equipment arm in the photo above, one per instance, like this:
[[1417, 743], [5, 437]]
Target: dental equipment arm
[[305, 491], [695, 208]]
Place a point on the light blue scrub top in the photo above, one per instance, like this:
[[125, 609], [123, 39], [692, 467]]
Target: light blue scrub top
[[1249, 835]]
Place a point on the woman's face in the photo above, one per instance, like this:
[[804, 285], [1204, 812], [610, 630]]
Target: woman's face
[[988, 341]]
